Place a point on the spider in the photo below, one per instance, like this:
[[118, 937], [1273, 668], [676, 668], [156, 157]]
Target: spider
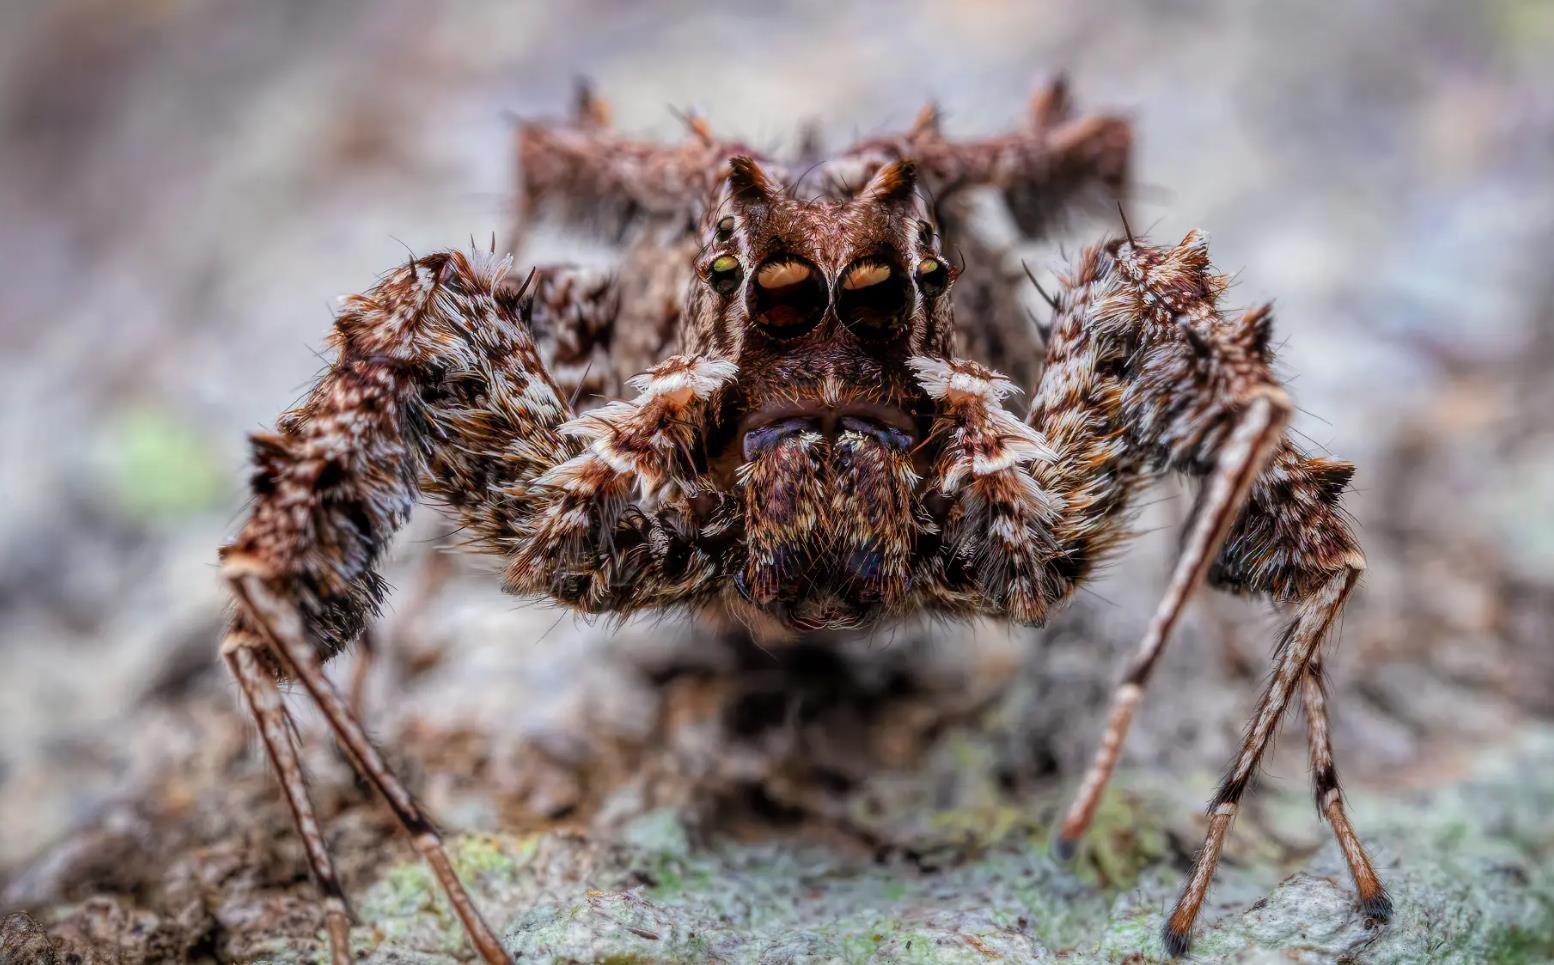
[[813, 437]]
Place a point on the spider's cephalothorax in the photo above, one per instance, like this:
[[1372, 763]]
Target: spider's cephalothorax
[[825, 447], [820, 441]]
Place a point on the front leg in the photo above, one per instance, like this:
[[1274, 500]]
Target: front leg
[[1146, 373], [437, 388], [434, 379]]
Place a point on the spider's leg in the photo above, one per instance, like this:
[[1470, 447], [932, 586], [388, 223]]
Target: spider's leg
[[439, 387], [436, 383], [263, 698], [436, 388], [1300, 645], [1374, 900], [645, 199], [585, 173], [1055, 162], [281, 625], [574, 318], [1144, 374], [1293, 545], [1060, 162], [1257, 430]]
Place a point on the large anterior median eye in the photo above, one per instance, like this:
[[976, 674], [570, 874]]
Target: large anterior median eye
[[788, 297], [873, 298]]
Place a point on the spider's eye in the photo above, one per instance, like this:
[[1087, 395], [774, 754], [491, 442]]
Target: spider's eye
[[925, 234], [725, 229], [873, 297], [788, 297], [724, 274], [933, 277]]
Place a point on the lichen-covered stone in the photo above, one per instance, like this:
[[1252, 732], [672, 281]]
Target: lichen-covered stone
[[1470, 866]]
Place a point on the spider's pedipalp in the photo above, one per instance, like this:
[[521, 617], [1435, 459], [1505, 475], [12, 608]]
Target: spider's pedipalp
[[996, 533], [874, 518], [784, 504], [567, 547]]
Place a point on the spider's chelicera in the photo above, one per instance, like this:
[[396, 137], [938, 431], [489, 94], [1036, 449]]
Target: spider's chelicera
[[811, 431]]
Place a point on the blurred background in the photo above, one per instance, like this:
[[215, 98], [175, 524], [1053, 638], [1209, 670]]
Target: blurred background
[[186, 186]]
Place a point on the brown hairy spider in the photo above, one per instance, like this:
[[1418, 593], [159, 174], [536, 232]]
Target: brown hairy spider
[[816, 439]]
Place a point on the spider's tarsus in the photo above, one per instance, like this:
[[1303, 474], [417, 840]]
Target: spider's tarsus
[[1063, 848], [1378, 907], [1177, 943]]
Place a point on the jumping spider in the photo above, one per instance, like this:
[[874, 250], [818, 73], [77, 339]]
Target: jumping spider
[[827, 447]]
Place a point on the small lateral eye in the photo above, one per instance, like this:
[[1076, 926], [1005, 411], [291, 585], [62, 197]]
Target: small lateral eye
[[788, 297], [725, 229], [933, 277], [724, 274], [925, 234], [873, 297]]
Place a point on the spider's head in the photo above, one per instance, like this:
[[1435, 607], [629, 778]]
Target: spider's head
[[821, 303]]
